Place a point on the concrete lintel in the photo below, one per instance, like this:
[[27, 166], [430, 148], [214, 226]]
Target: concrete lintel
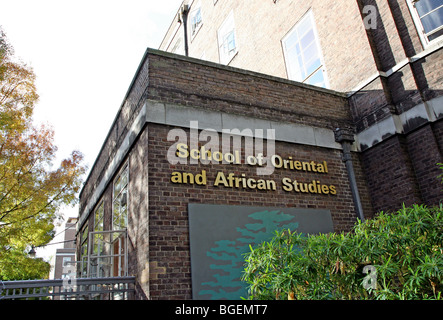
[[181, 116], [429, 111]]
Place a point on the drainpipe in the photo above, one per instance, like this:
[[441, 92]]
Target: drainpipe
[[184, 19], [346, 138]]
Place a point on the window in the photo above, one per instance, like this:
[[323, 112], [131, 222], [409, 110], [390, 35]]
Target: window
[[120, 201], [304, 61], [66, 262], [196, 20], [84, 249], [98, 218], [68, 269], [98, 227], [428, 17], [226, 40], [120, 222]]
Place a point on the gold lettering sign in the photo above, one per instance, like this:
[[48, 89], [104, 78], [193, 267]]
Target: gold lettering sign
[[231, 180]]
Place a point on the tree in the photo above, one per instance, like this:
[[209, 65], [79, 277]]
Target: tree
[[393, 256], [18, 93], [31, 189]]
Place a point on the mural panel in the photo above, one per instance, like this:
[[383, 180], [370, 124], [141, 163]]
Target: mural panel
[[220, 235]]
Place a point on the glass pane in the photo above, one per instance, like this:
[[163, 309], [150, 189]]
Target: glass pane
[[433, 20], [198, 17], [293, 65], [117, 186], [231, 41], [302, 68], [120, 211], [291, 40], [121, 182], [84, 250], [317, 79], [425, 6], [305, 26], [98, 244], [85, 232], [116, 213], [292, 53], [311, 53], [314, 65], [196, 20], [298, 49], [98, 219], [435, 35], [307, 39]]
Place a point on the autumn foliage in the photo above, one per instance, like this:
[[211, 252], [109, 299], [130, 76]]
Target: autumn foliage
[[32, 189]]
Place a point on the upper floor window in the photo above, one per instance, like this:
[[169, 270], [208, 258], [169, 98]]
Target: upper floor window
[[226, 40], [428, 17], [304, 60], [196, 19]]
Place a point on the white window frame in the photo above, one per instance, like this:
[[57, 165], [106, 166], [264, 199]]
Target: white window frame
[[308, 15], [419, 25], [226, 29], [195, 27]]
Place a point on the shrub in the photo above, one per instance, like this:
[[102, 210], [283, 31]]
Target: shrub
[[404, 249]]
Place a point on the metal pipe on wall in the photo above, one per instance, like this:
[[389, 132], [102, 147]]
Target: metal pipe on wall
[[346, 138]]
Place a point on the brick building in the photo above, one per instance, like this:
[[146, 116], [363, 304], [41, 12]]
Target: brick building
[[343, 98], [66, 255]]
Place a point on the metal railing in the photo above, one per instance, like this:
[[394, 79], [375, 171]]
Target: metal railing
[[115, 288]]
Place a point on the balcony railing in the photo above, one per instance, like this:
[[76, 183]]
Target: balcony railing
[[115, 288]]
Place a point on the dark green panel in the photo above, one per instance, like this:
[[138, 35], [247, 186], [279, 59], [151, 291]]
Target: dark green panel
[[220, 235]]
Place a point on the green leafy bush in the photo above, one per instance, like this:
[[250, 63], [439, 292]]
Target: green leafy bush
[[404, 249]]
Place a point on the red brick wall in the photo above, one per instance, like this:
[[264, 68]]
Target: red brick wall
[[236, 91], [168, 212], [425, 154], [388, 174], [261, 26], [438, 132], [402, 169]]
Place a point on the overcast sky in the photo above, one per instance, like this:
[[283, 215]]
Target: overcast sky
[[84, 54]]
